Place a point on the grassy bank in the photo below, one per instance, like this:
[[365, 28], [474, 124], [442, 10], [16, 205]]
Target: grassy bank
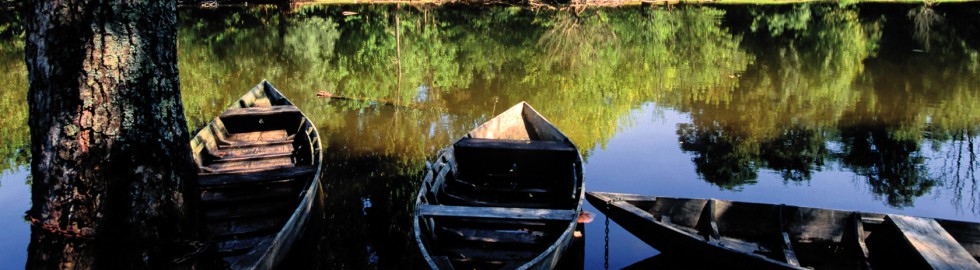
[[560, 3], [634, 2]]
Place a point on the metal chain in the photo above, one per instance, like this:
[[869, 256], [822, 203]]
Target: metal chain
[[605, 264]]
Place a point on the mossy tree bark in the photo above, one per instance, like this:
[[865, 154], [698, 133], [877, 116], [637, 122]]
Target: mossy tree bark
[[111, 159]]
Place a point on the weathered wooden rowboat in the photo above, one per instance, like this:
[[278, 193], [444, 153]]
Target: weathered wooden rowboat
[[505, 196], [754, 235], [259, 168]]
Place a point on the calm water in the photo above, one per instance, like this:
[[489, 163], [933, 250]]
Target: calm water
[[862, 107]]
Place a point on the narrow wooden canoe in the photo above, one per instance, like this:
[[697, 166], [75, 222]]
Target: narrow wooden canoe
[[505, 196], [754, 235], [259, 168]]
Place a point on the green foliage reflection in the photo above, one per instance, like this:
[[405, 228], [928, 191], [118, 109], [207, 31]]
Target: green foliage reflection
[[774, 88], [14, 136]]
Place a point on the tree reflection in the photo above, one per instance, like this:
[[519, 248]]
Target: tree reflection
[[804, 72], [574, 42], [924, 17], [720, 157], [894, 168], [14, 136], [796, 153], [830, 81], [788, 88], [810, 64], [959, 169]]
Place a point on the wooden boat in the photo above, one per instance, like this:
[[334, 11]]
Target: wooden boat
[[505, 196], [754, 235], [259, 167]]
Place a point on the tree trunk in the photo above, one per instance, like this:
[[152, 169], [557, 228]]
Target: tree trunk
[[110, 149]]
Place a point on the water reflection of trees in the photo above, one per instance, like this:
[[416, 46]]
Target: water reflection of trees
[[924, 18], [959, 169], [831, 83], [720, 156], [766, 87], [574, 42], [457, 66], [796, 153], [894, 168], [807, 60], [14, 137]]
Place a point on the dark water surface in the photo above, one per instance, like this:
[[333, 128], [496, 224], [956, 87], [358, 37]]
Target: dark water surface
[[860, 107]]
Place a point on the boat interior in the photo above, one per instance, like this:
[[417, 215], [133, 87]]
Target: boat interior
[[502, 194], [510, 173], [807, 237], [256, 133], [517, 159], [254, 161]]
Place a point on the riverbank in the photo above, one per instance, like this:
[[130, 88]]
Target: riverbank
[[575, 2]]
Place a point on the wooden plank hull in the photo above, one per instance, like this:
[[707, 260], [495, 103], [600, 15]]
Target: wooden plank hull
[[765, 236], [506, 196], [259, 168]]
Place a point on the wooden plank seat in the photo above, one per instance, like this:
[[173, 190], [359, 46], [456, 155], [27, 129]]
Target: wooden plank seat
[[474, 263], [207, 180], [271, 210], [249, 165], [485, 186], [243, 144], [496, 212], [226, 138], [240, 245], [261, 155], [252, 193], [459, 198], [488, 257], [471, 194], [254, 152], [229, 229], [255, 138], [260, 111], [936, 246], [489, 235], [258, 136]]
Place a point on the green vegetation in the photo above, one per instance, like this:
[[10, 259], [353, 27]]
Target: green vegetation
[[14, 136], [793, 89], [888, 94], [807, 63], [637, 2]]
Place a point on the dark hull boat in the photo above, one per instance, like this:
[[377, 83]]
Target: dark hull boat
[[259, 168], [505, 196], [766, 236]]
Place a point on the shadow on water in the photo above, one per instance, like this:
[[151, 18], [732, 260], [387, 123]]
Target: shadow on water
[[675, 261]]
